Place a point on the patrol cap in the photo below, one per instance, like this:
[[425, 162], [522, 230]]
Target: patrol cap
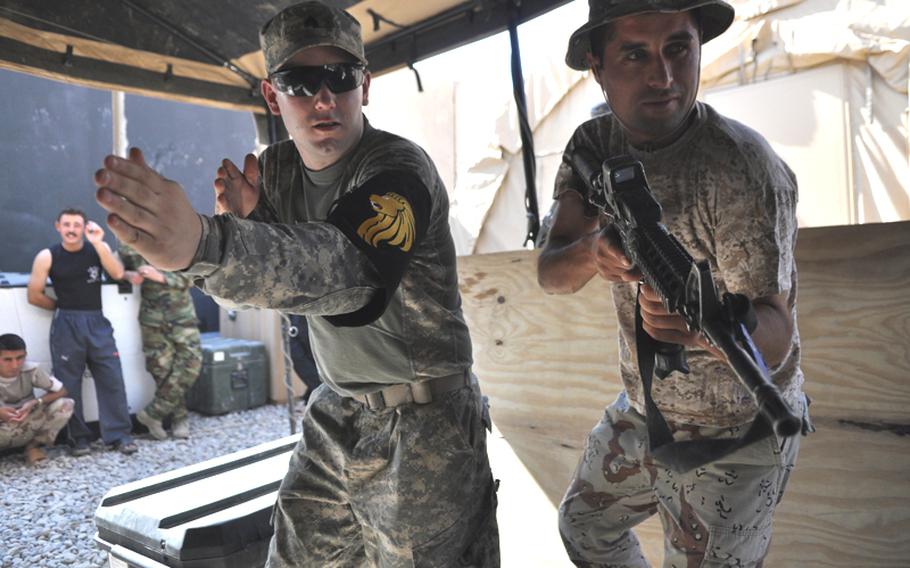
[[308, 24], [716, 17]]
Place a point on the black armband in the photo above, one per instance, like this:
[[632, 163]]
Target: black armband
[[386, 218]]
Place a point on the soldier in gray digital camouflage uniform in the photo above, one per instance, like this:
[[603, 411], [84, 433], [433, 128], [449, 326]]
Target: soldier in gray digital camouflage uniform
[[729, 199], [347, 225], [170, 341]]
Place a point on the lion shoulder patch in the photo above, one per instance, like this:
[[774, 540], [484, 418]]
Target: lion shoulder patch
[[386, 218], [393, 224]]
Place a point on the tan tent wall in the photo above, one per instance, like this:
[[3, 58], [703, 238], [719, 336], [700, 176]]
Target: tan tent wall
[[548, 364], [825, 81]]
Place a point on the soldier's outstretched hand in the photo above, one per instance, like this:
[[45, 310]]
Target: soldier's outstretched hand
[[148, 212], [235, 191]]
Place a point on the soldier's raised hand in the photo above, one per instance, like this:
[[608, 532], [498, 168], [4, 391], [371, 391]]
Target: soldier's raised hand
[[93, 232], [148, 212], [235, 191]]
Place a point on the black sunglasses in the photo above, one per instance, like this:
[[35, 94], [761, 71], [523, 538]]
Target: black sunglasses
[[306, 80]]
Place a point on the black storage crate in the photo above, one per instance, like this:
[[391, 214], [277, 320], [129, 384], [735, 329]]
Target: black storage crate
[[213, 514], [235, 376]]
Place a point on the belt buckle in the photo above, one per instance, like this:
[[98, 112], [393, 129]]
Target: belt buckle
[[375, 400], [421, 392]]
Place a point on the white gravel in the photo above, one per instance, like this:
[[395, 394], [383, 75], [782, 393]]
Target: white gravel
[[47, 511]]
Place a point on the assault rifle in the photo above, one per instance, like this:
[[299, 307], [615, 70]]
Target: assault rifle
[[620, 189]]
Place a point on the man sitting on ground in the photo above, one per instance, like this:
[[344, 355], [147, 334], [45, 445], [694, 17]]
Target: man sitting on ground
[[27, 420]]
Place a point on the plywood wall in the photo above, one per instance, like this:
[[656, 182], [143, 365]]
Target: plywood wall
[[549, 365]]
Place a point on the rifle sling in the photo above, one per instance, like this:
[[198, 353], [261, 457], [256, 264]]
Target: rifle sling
[[681, 456]]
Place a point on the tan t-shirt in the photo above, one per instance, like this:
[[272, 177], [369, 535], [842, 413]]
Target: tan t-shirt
[[21, 388], [728, 198]]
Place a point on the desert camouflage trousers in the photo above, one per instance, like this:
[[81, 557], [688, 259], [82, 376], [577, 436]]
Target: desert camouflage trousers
[[173, 356], [41, 426], [408, 486], [716, 515]]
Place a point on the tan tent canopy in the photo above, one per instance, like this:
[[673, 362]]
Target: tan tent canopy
[[208, 52]]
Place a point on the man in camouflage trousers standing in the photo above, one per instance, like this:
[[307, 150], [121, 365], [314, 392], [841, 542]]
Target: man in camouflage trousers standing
[[170, 340], [731, 201], [714, 472], [347, 225]]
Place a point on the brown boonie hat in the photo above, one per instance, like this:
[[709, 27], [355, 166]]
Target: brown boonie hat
[[308, 24], [716, 17]]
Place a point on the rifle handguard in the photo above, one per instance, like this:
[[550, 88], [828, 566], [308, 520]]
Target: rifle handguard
[[687, 288]]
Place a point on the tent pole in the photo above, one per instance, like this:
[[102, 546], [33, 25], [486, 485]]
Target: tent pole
[[118, 124]]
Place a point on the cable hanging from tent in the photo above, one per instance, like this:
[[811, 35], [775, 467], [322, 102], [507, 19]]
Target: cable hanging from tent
[[416, 76], [68, 56], [527, 136], [377, 18], [462, 14]]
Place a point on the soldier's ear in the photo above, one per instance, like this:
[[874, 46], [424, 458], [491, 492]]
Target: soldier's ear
[[270, 96], [596, 67]]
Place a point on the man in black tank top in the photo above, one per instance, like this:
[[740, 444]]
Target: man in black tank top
[[80, 334]]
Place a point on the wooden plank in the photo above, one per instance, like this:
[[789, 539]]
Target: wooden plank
[[99, 74], [549, 366], [854, 320]]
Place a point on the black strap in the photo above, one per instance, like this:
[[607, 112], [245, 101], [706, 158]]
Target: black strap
[[527, 135], [684, 455]]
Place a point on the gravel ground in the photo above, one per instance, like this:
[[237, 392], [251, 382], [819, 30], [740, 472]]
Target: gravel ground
[[47, 511]]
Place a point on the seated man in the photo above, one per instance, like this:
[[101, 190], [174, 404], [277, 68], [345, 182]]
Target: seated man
[[26, 420]]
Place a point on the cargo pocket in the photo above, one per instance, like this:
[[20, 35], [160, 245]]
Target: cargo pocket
[[484, 549], [463, 415], [470, 542], [737, 547]]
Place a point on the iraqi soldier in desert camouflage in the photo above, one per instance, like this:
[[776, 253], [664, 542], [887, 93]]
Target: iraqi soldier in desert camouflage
[[347, 225], [170, 341], [730, 200], [29, 419]]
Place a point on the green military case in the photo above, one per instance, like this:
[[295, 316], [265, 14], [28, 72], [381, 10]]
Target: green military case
[[235, 376]]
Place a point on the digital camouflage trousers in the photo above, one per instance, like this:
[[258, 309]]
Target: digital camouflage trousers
[[716, 515], [408, 486], [173, 356], [41, 426]]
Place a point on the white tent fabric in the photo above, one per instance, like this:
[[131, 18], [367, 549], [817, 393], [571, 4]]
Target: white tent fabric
[[770, 41], [871, 39]]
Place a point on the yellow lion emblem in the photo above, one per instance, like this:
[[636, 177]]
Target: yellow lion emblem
[[393, 222]]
